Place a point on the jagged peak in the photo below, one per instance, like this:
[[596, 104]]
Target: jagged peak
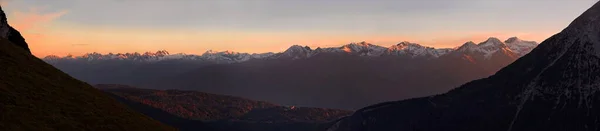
[[362, 43], [491, 40], [512, 39], [404, 44], [467, 45], [407, 43], [298, 47], [226, 52], [294, 49], [157, 53]]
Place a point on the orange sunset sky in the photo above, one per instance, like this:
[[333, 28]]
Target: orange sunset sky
[[179, 26]]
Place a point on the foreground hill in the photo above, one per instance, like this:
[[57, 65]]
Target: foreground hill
[[36, 96], [553, 88], [221, 112]]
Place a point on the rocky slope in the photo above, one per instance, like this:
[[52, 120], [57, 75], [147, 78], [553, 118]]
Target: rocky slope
[[36, 96]]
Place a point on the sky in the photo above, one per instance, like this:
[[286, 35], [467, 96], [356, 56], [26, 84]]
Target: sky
[[61, 27]]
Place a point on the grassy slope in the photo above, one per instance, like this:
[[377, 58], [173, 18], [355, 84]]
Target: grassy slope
[[36, 96]]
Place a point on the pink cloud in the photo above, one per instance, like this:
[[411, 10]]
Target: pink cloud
[[33, 19], [32, 24]]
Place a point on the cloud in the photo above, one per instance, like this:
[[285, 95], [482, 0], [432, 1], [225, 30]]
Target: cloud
[[34, 19], [33, 23]]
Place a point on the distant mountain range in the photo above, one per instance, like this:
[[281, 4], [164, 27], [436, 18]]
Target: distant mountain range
[[556, 87], [303, 76], [514, 44]]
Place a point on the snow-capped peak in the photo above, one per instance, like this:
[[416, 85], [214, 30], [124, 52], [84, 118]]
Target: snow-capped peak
[[492, 42], [520, 47], [231, 56], [297, 52], [406, 44], [487, 48], [468, 46], [363, 49], [298, 49], [414, 50], [512, 39]]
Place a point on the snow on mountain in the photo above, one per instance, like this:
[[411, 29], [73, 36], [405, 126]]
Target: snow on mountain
[[405, 48], [364, 49], [467, 47], [225, 56], [520, 47], [219, 57], [297, 52], [493, 45], [416, 50]]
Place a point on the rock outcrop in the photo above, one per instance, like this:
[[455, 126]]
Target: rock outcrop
[[10, 33]]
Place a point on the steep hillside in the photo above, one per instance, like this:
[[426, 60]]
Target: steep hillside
[[553, 88], [36, 96]]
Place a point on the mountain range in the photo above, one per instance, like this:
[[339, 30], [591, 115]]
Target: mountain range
[[553, 88], [303, 76], [514, 44]]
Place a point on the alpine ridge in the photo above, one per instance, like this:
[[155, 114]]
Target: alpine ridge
[[405, 48], [553, 88]]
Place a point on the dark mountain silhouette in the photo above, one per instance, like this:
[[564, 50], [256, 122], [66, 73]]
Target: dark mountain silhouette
[[185, 109], [36, 96], [553, 88], [10, 33]]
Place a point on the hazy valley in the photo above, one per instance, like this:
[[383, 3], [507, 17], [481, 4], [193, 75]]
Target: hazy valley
[[346, 77]]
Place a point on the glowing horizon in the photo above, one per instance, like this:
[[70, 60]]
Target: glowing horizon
[[76, 27]]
